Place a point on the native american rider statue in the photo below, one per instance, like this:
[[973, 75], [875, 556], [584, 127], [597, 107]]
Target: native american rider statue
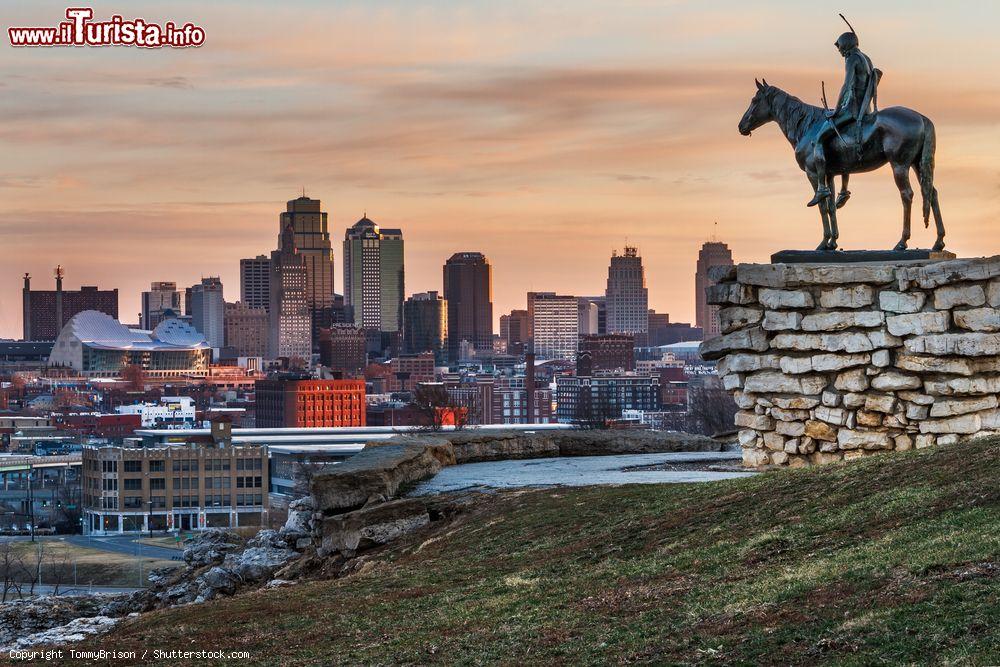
[[858, 96]]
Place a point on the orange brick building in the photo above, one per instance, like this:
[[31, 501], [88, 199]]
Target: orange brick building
[[290, 403]]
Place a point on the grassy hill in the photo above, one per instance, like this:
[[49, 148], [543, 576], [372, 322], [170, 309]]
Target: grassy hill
[[885, 560]]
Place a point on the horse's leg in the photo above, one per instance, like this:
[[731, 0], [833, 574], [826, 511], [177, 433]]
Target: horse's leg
[[938, 222], [827, 233], [844, 193], [831, 213], [901, 172]]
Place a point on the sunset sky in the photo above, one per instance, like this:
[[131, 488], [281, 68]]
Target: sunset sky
[[543, 134]]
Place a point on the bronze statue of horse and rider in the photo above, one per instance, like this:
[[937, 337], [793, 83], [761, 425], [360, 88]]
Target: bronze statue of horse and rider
[[854, 137]]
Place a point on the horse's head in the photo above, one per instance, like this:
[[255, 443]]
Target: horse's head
[[759, 111]]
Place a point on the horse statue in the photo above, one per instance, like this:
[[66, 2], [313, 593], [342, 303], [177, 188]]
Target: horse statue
[[898, 136]]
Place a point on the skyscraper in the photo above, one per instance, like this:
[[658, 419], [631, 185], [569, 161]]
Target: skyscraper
[[255, 282], [514, 331], [425, 325], [374, 275], [468, 288], [162, 296], [554, 321], [290, 325], [312, 242], [208, 311], [246, 330], [713, 253], [626, 294]]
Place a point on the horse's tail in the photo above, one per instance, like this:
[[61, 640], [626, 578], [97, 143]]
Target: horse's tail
[[926, 170]]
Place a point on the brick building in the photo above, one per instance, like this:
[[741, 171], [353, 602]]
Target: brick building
[[343, 348], [307, 403], [607, 352], [46, 312]]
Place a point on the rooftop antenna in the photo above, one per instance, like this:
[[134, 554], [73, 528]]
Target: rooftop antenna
[[848, 23], [303, 191]]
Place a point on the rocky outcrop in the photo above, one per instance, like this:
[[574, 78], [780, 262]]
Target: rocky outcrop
[[877, 357], [34, 621]]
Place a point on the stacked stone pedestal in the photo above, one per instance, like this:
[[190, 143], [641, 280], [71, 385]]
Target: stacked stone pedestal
[[838, 361]]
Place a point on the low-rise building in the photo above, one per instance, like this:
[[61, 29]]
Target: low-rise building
[[205, 482], [307, 403], [603, 397]]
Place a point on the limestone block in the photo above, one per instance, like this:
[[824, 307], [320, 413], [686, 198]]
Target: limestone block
[[948, 439], [917, 412], [978, 319], [752, 420], [880, 339], [797, 461], [990, 419], [743, 362], [924, 440], [779, 458], [838, 320], [950, 296], [754, 339], [782, 320], [853, 380], [831, 399], [953, 271], [895, 381], [896, 420], [828, 446], [970, 423], [779, 383], [819, 430], [821, 458], [916, 397], [722, 273], [744, 401], [880, 403], [774, 441], [993, 293], [857, 296], [791, 429], [927, 364], [732, 381], [918, 323], [761, 406], [796, 402], [854, 400], [737, 317], [881, 358], [853, 439], [754, 458], [792, 446], [837, 416], [871, 419], [786, 415], [806, 445], [796, 365], [764, 402], [949, 407], [776, 299], [959, 344], [983, 384], [730, 293], [795, 275], [747, 437], [903, 442], [901, 302]]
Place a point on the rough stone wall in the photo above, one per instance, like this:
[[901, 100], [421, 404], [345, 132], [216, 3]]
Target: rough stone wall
[[838, 361]]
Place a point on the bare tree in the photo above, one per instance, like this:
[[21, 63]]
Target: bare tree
[[59, 571], [433, 406], [595, 408], [711, 410], [11, 569]]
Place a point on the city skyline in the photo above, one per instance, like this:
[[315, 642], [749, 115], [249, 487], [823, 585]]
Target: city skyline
[[572, 126]]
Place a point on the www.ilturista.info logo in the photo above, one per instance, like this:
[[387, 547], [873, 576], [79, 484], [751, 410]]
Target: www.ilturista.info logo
[[80, 30]]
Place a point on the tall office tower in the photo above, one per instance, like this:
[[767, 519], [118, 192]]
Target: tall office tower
[[46, 312], [713, 253], [255, 282], [246, 330], [602, 311], [425, 325], [290, 325], [161, 297], [589, 322], [312, 241], [208, 311], [514, 331], [468, 288], [373, 276], [627, 297], [554, 321]]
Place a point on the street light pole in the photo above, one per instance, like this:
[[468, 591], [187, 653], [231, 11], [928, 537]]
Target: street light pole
[[31, 501]]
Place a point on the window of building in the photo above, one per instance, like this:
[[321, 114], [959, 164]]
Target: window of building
[[157, 466], [157, 484], [132, 484], [133, 466]]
